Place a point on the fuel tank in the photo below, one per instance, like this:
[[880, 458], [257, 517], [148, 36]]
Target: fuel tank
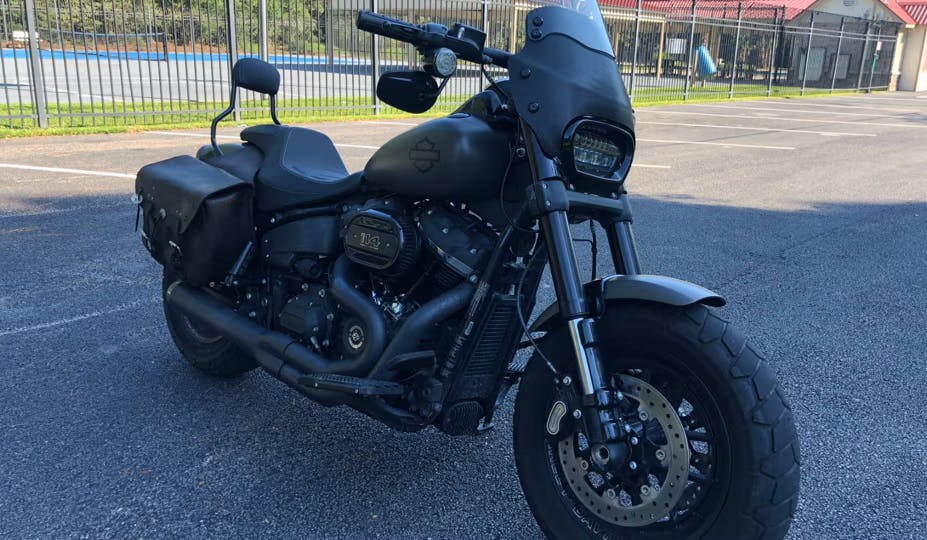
[[457, 158]]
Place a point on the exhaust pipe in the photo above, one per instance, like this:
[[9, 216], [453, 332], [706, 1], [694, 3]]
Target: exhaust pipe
[[287, 359], [271, 348]]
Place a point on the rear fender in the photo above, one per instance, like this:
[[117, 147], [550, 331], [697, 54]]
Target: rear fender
[[659, 289]]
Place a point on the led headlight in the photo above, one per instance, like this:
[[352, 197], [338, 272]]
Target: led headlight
[[595, 154]]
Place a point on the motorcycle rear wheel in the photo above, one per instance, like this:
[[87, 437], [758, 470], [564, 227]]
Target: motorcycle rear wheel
[[201, 346], [743, 447]]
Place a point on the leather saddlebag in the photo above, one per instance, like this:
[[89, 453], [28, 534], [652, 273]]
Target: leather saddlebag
[[196, 218]]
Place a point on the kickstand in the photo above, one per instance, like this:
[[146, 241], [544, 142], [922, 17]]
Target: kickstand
[[486, 423]]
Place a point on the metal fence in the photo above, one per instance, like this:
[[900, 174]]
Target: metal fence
[[70, 63]]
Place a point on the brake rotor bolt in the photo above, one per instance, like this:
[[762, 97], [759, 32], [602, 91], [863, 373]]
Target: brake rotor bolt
[[577, 414], [583, 464], [634, 440], [632, 465], [610, 493], [645, 490], [661, 455], [567, 381], [643, 415]]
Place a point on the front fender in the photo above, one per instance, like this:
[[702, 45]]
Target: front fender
[[660, 289]]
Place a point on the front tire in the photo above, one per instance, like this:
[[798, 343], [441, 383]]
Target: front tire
[[201, 346], [743, 446]]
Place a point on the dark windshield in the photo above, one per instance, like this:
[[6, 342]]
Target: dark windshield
[[588, 29], [566, 71]]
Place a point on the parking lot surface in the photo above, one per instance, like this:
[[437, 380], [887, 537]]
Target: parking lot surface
[[809, 216]]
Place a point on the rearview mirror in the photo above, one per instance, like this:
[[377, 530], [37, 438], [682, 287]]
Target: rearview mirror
[[409, 91]]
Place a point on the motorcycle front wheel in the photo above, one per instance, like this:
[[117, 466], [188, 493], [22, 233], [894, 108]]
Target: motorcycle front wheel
[[710, 452]]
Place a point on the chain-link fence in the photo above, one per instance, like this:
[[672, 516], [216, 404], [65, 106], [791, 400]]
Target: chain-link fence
[[72, 63]]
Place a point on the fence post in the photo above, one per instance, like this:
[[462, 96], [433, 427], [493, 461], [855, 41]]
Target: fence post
[[262, 28], [35, 63], [875, 59], [233, 48], [685, 95], [329, 32], [833, 80], [485, 8], [730, 92], [773, 70], [862, 58], [637, 44], [374, 62], [804, 71]]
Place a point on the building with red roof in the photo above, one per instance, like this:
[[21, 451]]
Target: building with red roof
[[914, 60], [907, 63]]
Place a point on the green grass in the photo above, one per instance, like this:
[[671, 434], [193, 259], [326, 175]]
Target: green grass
[[649, 97], [115, 117], [125, 117]]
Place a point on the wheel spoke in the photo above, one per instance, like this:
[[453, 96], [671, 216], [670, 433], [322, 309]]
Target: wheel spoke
[[699, 477], [698, 436]]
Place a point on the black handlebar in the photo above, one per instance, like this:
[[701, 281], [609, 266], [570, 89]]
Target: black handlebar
[[429, 36], [388, 27]]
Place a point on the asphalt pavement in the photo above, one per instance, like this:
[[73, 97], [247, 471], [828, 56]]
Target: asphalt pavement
[[809, 216]]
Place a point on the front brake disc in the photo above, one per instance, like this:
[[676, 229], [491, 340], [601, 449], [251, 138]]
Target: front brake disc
[[666, 483]]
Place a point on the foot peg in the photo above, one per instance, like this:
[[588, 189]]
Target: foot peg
[[352, 385]]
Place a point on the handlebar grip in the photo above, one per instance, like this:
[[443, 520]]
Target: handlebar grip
[[387, 26]]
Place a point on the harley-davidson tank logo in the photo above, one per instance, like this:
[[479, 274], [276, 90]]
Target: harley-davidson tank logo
[[424, 155]]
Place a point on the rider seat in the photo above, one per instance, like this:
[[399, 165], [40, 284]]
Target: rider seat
[[301, 166]]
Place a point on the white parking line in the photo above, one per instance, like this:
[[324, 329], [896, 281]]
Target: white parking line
[[197, 135], [99, 313], [749, 128], [67, 171], [201, 135], [817, 103], [361, 146], [867, 98], [767, 109], [816, 120], [388, 123], [645, 166], [731, 145]]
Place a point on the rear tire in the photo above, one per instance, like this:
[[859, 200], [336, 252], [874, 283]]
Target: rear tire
[[201, 346], [752, 488]]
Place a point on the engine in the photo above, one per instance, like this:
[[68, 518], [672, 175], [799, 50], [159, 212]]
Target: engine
[[412, 253], [428, 248]]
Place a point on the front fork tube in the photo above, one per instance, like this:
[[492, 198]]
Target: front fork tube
[[601, 427], [574, 308]]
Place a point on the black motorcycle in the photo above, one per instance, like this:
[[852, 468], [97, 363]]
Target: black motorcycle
[[404, 291]]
